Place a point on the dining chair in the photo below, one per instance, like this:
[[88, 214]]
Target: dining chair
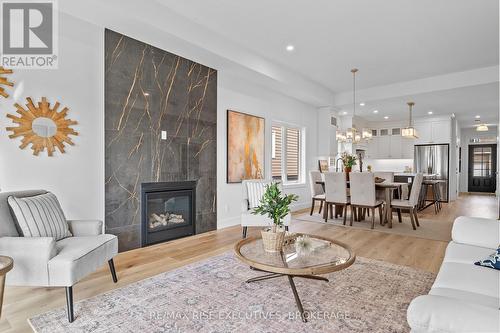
[[363, 194], [412, 202], [388, 177], [317, 193], [336, 193]]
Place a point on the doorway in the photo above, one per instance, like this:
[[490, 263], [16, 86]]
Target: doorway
[[482, 168]]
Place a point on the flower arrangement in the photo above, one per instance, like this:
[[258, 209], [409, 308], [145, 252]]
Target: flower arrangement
[[348, 160]]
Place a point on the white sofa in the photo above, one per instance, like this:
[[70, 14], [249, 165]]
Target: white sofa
[[464, 297], [256, 188]]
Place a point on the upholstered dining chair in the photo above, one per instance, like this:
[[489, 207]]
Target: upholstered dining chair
[[253, 190], [44, 261], [336, 193], [317, 193], [412, 202], [363, 194]]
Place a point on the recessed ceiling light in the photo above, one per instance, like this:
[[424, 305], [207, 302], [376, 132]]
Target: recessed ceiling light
[[477, 117], [146, 94], [290, 48], [375, 111], [362, 104], [430, 112], [344, 113], [386, 117]]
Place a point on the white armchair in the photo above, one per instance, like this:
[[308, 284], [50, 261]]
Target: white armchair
[[253, 190], [44, 262]]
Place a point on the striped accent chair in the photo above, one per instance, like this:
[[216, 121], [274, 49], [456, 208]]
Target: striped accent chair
[[48, 250], [253, 191]]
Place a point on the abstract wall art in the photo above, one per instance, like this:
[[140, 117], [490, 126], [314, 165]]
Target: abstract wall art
[[245, 146]]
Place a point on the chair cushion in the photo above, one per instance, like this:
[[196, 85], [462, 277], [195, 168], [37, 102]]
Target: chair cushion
[[401, 203], [80, 256], [319, 196], [39, 216], [250, 220]]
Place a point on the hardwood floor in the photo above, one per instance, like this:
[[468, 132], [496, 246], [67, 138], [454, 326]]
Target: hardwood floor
[[21, 303]]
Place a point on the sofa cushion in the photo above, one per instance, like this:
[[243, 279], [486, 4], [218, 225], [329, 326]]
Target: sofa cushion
[[465, 254], [469, 278], [492, 261], [39, 216], [79, 256], [492, 301]]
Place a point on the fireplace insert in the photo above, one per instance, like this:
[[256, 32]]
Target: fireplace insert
[[168, 211]]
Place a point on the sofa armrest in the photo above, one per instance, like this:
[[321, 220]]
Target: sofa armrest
[[433, 313], [31, 255], [476, 231], [81, 228]]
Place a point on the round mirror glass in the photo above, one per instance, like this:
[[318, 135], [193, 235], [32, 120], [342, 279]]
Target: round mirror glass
[[44, 127]]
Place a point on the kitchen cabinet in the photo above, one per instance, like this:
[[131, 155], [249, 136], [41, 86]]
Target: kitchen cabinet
[[434, 132], [372, 148], [384, 147], [395, 142], [407, 148]]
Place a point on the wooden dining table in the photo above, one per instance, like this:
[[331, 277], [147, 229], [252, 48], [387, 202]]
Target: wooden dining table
[[388, 188]]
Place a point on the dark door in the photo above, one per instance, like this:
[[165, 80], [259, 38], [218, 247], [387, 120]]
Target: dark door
[[482, 168]]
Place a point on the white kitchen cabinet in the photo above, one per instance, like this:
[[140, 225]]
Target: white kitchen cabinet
[[441, 131], [424, 133], [384, 147], [395, 146], [438, 131], [407, 148], [372, 148]]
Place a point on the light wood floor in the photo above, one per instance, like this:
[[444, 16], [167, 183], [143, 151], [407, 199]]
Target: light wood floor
[[21, 303]]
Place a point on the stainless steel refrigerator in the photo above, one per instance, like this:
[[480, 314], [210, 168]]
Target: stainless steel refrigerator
[[433, 161]]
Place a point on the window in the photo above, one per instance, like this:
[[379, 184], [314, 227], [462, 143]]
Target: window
[[286, 155]]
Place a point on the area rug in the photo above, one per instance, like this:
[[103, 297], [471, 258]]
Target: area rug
[[212, 296], [429, 229]]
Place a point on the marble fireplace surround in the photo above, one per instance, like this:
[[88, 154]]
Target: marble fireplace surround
[[160, 126]]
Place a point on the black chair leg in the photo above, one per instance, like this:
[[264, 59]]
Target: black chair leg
[[245, 232], [69, 304], [286, 228], [112, 269], [312, 206]]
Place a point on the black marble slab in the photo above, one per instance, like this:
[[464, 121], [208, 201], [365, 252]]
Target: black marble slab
[[147, 91]]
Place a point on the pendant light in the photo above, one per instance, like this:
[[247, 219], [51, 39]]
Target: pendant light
[[352, 133], [410, 132], [481, 127]]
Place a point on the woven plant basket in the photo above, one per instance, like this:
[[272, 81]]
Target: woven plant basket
[[273, 241]]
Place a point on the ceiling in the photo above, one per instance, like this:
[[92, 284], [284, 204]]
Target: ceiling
[[388, 40], [465, 103]]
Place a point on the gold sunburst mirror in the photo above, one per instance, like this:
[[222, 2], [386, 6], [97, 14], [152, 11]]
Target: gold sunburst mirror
[[4, 81], [42, 126]]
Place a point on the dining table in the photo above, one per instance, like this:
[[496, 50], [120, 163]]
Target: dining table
[[388, 188]]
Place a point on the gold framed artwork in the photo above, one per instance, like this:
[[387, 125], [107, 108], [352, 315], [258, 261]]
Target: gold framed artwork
[[4, 81], [42, 126], [245, 146]]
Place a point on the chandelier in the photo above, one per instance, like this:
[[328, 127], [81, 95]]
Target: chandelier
[[352, 134], [410, 132]]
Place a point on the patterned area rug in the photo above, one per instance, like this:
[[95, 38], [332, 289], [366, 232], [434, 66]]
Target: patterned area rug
[[211, 296], [438, 229]]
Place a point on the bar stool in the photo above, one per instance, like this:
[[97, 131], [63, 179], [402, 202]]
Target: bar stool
[[436, 199]]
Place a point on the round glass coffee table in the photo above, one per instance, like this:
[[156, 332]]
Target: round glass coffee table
[[324, 256]]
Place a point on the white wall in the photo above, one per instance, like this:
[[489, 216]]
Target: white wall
[[77, 177], [251, 99], [466, 135]]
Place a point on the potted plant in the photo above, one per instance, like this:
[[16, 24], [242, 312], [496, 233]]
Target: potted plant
[[276, 206], [349, 161]]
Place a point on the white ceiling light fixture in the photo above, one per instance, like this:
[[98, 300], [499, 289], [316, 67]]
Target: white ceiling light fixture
[[362, 104], [410, 132], [481, 127], [290, 48], [386, 117], [430, 112], [375, 111], [478, 116]]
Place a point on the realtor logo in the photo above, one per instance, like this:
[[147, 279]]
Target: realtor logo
[[29, 34]]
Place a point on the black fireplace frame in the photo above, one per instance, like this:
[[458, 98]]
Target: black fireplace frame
[[175, 232]]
